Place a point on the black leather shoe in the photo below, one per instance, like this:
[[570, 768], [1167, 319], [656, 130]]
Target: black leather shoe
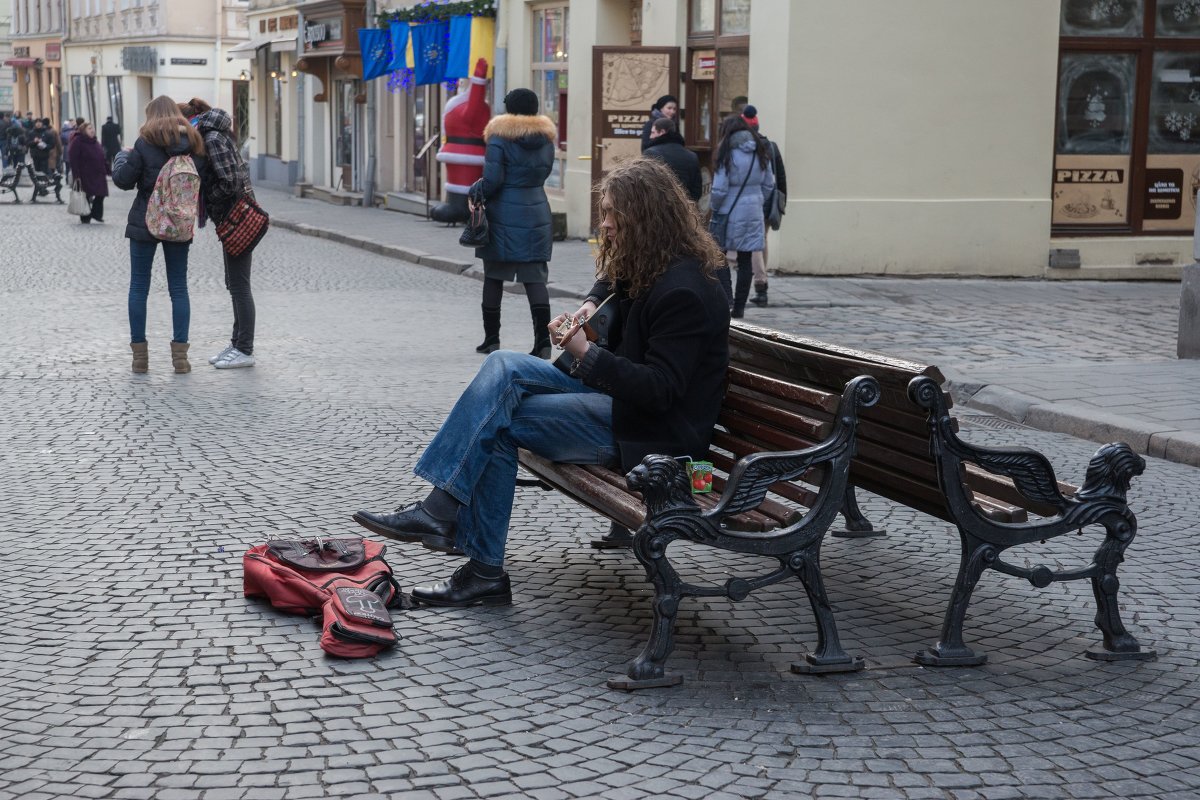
[[412, 523], [465, 588]]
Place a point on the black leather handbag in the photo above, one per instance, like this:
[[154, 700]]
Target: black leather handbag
[[476, 233]]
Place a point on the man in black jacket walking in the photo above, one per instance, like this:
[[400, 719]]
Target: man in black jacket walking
[[110, 140], [667, 145]]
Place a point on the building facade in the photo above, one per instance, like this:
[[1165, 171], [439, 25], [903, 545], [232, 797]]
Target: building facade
[[6, 73], [274, 90], [36, 59], [937, 137], [121, 54]]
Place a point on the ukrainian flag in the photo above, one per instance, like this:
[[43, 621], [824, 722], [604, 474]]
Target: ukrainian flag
[[402, 50], [471, 38]]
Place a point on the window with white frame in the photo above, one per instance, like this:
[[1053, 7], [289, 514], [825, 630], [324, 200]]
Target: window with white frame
[[549, 67]]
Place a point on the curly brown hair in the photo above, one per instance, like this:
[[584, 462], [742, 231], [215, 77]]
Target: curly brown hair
[[657, 224]]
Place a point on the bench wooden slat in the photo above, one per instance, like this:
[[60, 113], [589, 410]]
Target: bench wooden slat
[[808, 396], [829, 358]]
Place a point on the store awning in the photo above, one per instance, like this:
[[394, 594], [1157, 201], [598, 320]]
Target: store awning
[[22, 62], [278, 44]]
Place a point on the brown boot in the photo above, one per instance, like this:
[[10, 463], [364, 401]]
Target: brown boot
[[141, 359], [179, 358]]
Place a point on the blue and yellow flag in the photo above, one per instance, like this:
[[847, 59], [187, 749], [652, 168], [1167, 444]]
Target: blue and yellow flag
[[429, 52], [401, 47], [471, 38], [374, 45]]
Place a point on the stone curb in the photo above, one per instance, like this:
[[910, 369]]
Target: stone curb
[[470, 269], [1082, 421]]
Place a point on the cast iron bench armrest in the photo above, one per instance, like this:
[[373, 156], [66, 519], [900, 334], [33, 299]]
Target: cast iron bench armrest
[[1100, 501]]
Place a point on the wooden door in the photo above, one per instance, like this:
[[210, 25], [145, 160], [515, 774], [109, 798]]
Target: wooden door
[[626, 81]]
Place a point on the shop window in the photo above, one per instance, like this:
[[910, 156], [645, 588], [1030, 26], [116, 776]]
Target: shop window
[[116, 101], [1102, 17], [735, 17], [1127, 143], [1178, 18], [275, 83], [719, 68], [550, 78], [704, 16]]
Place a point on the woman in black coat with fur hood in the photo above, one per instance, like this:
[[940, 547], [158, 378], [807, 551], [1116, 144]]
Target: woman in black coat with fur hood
[[518, 159]]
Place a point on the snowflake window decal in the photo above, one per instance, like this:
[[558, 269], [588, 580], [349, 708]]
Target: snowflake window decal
[[1103, 10], [1186, 9]]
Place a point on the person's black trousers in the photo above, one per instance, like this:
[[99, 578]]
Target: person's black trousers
[[237, 281]]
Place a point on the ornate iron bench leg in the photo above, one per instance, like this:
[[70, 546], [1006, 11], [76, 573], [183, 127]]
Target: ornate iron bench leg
[[950, 650], [617, 538], [648, 670], [857, 526], [1119, 644], [829, 657]]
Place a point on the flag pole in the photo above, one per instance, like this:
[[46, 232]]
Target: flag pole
[[369, 178]]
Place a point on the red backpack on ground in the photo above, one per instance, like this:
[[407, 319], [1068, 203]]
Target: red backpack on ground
[[345, 580]]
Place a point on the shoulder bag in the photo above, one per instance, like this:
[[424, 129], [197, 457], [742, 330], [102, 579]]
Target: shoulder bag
[[243, 228], [718, 224]]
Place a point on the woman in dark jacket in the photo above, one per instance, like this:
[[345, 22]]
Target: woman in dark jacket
[[518, 159], [90, 168], [165, 134], [227, 180]]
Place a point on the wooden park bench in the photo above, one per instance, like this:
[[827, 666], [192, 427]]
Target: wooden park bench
[[803, 424]]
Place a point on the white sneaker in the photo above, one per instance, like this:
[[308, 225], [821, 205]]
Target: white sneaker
[[235, 359], [220, 355]]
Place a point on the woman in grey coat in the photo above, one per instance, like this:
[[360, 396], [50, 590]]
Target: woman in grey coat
[[519, 158], [742, 180]]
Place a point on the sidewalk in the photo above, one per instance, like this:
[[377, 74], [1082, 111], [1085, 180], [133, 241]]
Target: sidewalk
[[1090, 359]]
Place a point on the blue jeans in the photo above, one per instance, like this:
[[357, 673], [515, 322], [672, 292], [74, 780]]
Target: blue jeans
[[141, 260], [516, 400]]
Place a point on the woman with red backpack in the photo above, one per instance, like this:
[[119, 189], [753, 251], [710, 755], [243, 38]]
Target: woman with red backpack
[[164, 165]]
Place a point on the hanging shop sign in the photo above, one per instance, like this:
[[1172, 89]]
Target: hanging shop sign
[[53, 51], [320, 32]]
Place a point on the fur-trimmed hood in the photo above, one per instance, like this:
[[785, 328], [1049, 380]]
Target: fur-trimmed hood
[[518, 127]]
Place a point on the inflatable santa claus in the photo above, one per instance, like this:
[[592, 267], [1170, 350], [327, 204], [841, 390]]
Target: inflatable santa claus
[[463, 120]]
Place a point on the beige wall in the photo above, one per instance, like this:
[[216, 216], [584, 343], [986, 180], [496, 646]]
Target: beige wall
[[918, 135]]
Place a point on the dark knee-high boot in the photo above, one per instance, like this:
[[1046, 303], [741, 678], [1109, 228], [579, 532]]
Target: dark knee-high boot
[[541, 332], [491, 330]]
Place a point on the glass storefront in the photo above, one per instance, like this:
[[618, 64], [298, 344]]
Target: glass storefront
[[1127, 143]]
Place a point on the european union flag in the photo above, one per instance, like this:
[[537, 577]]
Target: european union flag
[[373, 43], [399, 34], [429, 52]]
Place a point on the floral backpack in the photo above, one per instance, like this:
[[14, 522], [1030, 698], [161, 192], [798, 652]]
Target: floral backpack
[[174, 201]]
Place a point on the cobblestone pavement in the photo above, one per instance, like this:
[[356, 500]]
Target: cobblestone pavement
[[1072, 357], [133, 668]]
